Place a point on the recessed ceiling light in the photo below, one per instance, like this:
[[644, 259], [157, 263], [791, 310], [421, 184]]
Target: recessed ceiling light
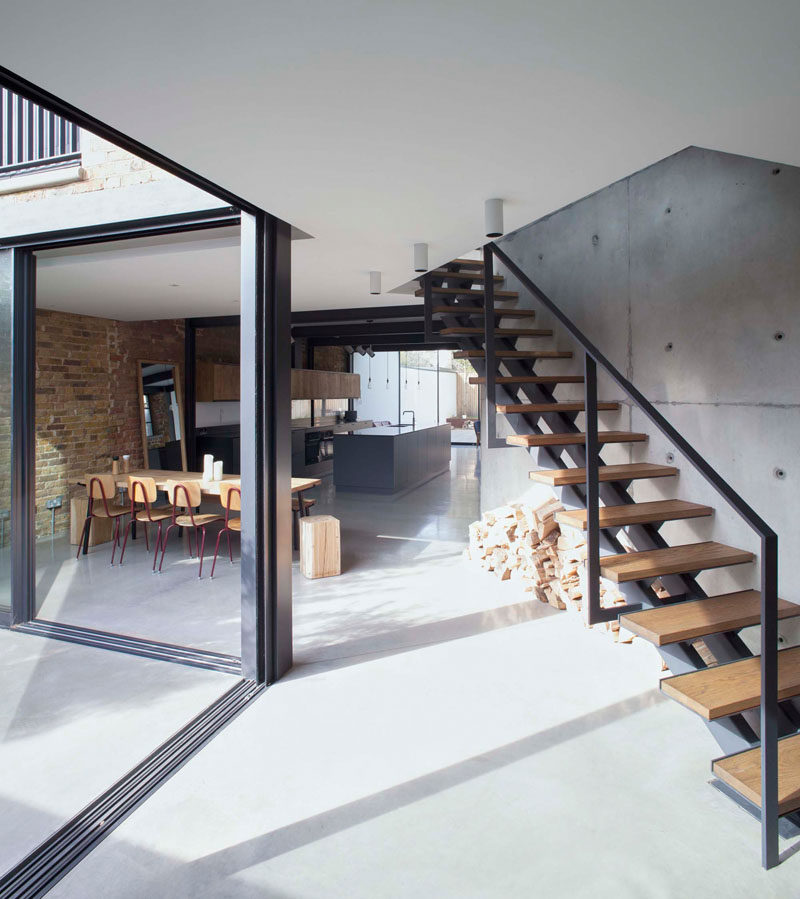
[[174, 285]]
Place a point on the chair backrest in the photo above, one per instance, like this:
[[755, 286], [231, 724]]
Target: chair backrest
[[101, 486], [230, 495], [183, 493], [141, 489]]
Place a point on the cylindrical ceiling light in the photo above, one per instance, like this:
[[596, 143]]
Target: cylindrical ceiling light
[[493, 215], [375, 282], [420, 257]]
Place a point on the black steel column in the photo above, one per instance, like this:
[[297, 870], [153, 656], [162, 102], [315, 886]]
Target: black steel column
[[592, 598], [266, 448], [490, 439], [769, 700], [189, 393], [23, 437]]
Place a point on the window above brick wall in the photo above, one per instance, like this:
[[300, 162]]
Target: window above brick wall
[[32, 138]]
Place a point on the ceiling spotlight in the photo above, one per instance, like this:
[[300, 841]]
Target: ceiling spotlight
[[349, 349], [420, 257], [493, 216], [361, 351], [370, 351], [374, 282]]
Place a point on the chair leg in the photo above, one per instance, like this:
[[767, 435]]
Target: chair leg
[[230, 549], [146, 537], [216, 551], [164, 540], [86, 524], [125, 541], [295, 530], [157, 546], [115, 544], [202, 548], [192, 540]]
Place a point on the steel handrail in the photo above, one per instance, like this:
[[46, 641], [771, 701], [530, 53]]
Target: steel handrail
[[769, 548]]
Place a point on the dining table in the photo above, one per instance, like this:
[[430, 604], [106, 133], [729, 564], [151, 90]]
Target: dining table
[[207, 488]]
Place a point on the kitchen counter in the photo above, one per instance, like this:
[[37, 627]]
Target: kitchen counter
[[390, 460]]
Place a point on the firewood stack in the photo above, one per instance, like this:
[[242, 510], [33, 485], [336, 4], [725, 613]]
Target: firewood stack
[[521, 543]]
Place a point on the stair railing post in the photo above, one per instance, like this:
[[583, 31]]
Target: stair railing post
[[769, 700], [490, 431], [427, 289], [592, 604]]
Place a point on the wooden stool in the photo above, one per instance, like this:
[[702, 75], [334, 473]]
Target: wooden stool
[[297, 513], [320, 546]]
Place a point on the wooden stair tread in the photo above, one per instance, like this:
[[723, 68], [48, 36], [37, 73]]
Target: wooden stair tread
[[637, 513], [742, 771], [500, 332], [531, 379], [728, 689], [573, 439], [514, 354], [468, 292], [467, 263], [671, 560], [635, 471], [461, 275], [476, 310], [698, 618], [511, 408]]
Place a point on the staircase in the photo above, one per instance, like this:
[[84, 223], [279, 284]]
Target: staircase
[[746, 700]]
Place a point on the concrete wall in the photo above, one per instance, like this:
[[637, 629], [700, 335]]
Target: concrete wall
[[701, 253]]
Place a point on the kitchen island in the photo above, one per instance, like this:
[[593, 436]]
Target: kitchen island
[[390, 460]]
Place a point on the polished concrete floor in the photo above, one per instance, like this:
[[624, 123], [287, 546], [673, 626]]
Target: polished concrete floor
[[172, 607], [442, 736], [73, 720]]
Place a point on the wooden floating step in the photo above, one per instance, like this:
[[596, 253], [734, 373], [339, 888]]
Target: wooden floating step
[[699, 618], [478, 310], [499, 333], [467, 292], [573, 439], [635, 471], [735, 687], [531, 379], [742, 771], [461, 276], [543, 408], [671, 560], [636, 513], [516, 354], [467, 263]]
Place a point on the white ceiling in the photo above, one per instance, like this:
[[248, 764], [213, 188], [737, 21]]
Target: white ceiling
[[372, 125], [177, 276]]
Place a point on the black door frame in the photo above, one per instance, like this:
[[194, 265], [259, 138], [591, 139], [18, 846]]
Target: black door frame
[[266, 412]]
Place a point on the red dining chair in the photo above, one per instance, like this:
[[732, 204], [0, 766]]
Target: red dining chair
[[187, 494], [101, 487], [143, 491], [230, 496]]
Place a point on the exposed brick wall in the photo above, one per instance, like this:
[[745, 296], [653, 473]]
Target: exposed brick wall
[[87, 397], [104, 166], [331, 358], [218, 345]]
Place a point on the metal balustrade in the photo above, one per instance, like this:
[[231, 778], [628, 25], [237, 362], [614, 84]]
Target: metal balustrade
[[32, 137]]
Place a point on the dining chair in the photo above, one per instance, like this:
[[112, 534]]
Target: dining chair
[[300, 507], [143, 491], [187, 495], [102, 488], [230, 497]]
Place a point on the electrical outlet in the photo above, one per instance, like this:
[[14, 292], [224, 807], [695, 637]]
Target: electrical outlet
[[55, 503]]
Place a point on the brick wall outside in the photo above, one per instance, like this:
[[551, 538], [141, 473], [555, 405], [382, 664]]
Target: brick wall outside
[[218, 345], [105, 167], [87, 397], [331, 358]]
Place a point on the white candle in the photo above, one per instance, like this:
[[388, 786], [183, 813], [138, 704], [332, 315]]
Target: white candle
[[218, 470], [208, 468]]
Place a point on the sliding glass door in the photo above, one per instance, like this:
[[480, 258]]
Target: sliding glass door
[[6, 315]]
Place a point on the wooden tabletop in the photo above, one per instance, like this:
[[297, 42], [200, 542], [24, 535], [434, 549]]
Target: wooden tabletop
[[211, 488]]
